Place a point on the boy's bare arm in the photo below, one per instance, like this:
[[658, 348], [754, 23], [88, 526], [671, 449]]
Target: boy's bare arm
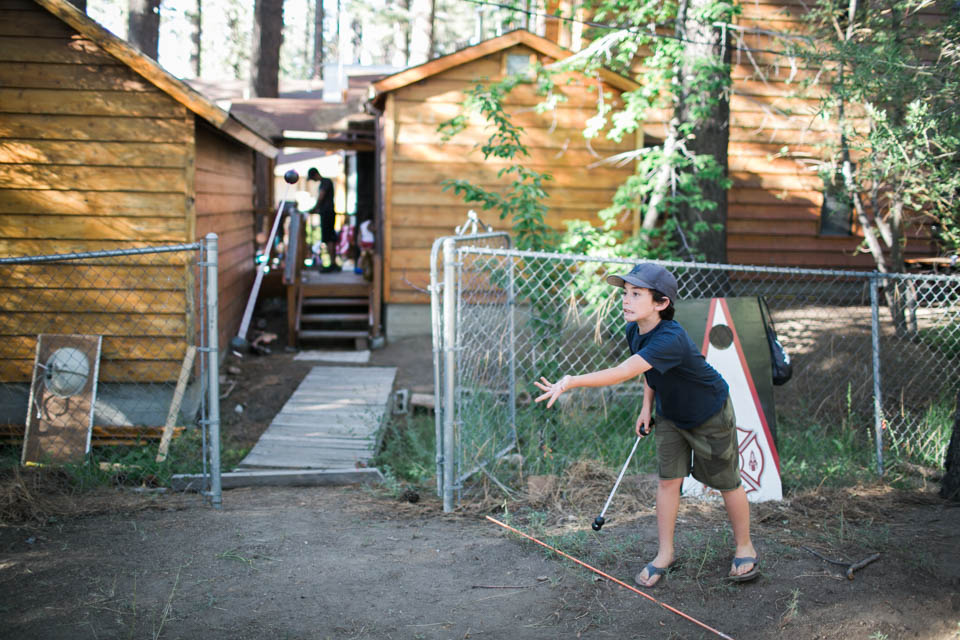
[[644, 420], [629, 368], [647, 397]]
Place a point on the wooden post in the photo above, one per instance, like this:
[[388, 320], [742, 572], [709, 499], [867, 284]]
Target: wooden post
[[176, 402]]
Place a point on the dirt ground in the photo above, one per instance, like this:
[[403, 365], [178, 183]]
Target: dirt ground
[[355, 562]]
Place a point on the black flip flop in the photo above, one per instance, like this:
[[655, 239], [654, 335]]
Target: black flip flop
[[653, 570], [749, 575]]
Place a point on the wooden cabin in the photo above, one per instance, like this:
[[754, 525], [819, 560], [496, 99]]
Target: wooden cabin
[[343, 307], [100, 148], [779, 209], [416, 161]]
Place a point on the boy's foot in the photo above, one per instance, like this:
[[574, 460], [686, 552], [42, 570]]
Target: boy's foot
[[651, 574], [745, 567]]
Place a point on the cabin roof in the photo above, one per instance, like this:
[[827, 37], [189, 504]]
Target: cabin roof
[[158, 76], [485, 48]]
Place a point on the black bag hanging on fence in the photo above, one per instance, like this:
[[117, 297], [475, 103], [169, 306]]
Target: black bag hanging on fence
[[779, 360]]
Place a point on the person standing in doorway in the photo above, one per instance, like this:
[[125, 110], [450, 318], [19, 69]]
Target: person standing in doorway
[[324, 206]]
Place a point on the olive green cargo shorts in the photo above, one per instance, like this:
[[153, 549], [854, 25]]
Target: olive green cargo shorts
[[709, 451]]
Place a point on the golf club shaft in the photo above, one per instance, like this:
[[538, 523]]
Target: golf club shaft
[[620, 477], [252, 300]]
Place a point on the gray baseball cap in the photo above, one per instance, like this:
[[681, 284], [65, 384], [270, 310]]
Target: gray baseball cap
[[648, 276]]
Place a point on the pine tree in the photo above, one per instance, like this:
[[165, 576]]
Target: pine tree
[[267, 38], [143, 26]]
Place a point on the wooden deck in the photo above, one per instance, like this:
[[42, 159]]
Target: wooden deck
[[330, 422]]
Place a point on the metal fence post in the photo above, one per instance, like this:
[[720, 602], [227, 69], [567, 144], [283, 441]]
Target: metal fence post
[[213, 368], [449, 369], [877, 398], [435, 332], [511, 308]]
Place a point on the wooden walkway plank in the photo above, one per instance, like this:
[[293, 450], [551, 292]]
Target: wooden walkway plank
[[330, 422]]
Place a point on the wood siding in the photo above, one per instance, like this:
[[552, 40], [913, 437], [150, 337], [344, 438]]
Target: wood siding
[[225, 205], [775, 140], [418, 210], [92, 157]]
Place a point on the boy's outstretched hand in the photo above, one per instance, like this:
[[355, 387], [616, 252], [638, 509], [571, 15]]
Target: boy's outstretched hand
[[553, 390]]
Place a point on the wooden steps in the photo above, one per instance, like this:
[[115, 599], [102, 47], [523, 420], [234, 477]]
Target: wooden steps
[[330, 307], [332, 317], [333, 334]]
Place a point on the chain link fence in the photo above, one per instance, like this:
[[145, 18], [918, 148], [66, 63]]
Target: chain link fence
[[448, 332], [872, 353], [107, 356]]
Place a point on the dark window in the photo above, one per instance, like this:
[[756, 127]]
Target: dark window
[[520, 64], [836, 213]]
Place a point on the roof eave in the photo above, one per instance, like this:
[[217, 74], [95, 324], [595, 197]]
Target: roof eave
[[469, 54], [158, 76]]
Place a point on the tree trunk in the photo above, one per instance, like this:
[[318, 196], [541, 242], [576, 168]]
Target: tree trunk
[[79, 4], [318, 40], [703, 110], [143, 26], [950, 486], [196, 19], [432, 47], [662, 179], [406, 24], [356, 40], [267, 37]]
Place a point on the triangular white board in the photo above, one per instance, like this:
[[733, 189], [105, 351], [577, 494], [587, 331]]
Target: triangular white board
[[759, 461]]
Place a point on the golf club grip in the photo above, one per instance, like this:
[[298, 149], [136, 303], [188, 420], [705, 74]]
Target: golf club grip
[[649, 429]]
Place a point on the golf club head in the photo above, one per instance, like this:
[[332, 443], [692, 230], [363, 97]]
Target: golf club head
[[238, 344], [598, 523], [291, 176]]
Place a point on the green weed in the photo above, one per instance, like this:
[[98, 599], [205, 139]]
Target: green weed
[[944, 339], [132, 465], [792, 611], [232, 554], [574, 543], [615, 551], [408, 448], [925, 439], [705, 548], [550, 440], [814, 455]]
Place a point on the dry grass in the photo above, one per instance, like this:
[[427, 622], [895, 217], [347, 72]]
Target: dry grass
[[31, 496]]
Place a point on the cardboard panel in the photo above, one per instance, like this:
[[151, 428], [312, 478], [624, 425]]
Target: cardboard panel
[[735, 344], [60, 409]]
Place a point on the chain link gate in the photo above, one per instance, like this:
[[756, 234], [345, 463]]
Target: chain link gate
[[109, 349], [449, 328], [876, 353]]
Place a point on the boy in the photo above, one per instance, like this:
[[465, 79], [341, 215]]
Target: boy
[[694, 411]]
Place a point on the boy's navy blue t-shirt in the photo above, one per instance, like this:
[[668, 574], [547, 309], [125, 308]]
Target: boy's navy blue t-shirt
[[688, 390]]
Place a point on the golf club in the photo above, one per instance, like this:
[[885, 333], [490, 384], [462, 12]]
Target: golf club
[[239, 342], [598, 521]]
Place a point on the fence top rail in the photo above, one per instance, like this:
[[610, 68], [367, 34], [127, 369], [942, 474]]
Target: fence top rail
[[865, 275], [437, 243], [173, 248]]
